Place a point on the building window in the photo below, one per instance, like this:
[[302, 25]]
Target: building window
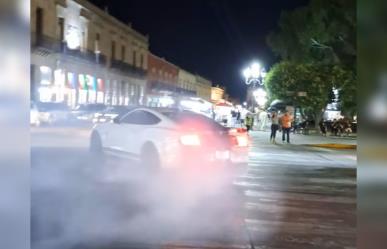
[[134, 57], [84, 41], [39, 21], [142, 61], [97, 38], [61, 28], [123, 53], [113, 50]]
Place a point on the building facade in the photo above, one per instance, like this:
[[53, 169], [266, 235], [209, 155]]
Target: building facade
[[81, 54], [203, 88], [161, 81], [187, 81], [217, 94]]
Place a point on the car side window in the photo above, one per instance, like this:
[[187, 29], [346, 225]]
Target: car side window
[[140, 118]]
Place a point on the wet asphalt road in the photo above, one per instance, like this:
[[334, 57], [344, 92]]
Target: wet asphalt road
[[293, 197]]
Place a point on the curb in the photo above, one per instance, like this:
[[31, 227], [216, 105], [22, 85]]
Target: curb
[[335, 146]]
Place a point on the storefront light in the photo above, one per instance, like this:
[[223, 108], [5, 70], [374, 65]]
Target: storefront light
[[166, 101], [59, 77], [45, 93], [45, 70], [72, 39], [45, 82]]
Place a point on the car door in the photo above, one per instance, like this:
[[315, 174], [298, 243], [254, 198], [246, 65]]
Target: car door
[[146, 122], [122, 133], [132, 131]]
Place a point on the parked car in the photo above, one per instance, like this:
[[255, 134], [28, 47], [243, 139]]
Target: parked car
[[110, 113], [34, 114], [53, 112], [170, 138], [87, 111]]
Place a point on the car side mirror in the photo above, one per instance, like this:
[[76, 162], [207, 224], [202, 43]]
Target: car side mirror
[[116, 120]]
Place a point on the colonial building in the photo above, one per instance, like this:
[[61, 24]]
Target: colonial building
[[217, 94], [81, 54], [187, 81], [161, 81], [203, 88]]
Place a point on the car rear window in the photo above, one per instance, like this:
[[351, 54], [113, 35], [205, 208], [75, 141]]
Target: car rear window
[[117, 109], [193, 120]]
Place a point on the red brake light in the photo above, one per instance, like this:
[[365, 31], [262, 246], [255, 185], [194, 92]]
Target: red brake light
[[190, 140], [239, 137], [242, 140]]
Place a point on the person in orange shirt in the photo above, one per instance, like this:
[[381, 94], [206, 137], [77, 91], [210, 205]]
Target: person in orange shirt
[[286, 123]]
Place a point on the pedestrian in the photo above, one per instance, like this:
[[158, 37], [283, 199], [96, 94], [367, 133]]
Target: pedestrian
[[335, 127], [243, 115], [322, 128], [286, 123], [238, 117], [347, 127], [274, 126], [249, 121]]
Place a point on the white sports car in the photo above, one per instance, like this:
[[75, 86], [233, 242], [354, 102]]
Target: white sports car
[[170, 138]]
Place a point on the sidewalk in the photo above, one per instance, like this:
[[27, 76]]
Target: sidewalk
[[313, 140]]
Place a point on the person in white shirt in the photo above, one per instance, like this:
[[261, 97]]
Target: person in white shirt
[[274, 126]]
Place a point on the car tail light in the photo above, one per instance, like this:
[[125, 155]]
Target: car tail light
[[234, 131], [239, 137], [242, 140], [190, 140]]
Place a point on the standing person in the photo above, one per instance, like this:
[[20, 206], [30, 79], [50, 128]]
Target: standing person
[[335, 127], [274, 126], [238, 117], [249, 121], [322, 128], [233, 118], [286, 123], [243, 115]]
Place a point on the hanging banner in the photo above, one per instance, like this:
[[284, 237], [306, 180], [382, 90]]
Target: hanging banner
[[71, 82], [82, 82], [100, 85]]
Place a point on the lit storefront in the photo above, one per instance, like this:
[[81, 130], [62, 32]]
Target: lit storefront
[[71, 89]]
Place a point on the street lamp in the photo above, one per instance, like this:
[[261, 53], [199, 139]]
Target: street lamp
[[254, 74], [260, 96]]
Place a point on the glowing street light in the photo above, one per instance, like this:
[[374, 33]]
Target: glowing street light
[[254, 74], [260, 96]]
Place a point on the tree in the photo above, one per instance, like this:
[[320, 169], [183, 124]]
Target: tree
[[346, 82], [320, 37], [323, 31], [287, 79]]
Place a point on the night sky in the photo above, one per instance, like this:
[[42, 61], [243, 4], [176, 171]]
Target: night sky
[[214, 38]]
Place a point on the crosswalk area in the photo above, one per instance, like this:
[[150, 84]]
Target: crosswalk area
[[299, 197]]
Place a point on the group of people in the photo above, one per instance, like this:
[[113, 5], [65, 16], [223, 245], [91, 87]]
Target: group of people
[[242, 117], [284, 123], [337, 127]]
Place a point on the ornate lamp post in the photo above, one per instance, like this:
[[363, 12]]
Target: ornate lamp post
[[254, 77]]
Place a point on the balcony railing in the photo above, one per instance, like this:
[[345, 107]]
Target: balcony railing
[[45, 42], [159, 86], [127, 68], [55, 46]]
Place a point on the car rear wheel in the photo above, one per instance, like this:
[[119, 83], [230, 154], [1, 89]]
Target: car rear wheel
[[150, 159]]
